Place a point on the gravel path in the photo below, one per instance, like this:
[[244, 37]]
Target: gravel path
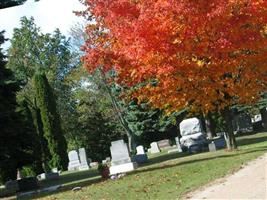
[[248, 183]]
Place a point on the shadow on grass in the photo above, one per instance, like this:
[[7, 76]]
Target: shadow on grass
[[259, 149], [68, 182], [165, 157], [81, 183], [247, 140], [70, 177], [86, 178]]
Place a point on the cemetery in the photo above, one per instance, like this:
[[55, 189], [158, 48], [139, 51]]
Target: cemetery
[[112, 99], [175, 171]]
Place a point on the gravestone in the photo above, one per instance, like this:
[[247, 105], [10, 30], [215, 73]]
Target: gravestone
[[41, 176], [104, 161], [140, 156], [93, 164], [154, 148], [48, 176], [219, 142], [83, 159], [108, 159], [164, 144], [192, 134], [212, 146], [74, 161], [12, 185], [140, 150], [55, 170], [121, 161]]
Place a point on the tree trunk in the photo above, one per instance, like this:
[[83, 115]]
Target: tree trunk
[[117, 110], [210, 128], [230, 137], [263, 112], [130, 142]]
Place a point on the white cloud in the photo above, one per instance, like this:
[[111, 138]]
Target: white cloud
[[48, 14]]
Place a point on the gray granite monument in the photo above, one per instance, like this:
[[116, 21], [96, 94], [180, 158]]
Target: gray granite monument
[[74, 161], [83, 159], [154, 148], [212, 146], [164, 144]]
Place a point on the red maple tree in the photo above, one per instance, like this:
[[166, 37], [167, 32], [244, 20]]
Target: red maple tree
[[204, 55]]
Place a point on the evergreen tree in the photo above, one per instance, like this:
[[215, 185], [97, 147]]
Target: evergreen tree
[[51, 122], [17, 136], [7, 117], [48, 53], [36, 152], [150, 124]]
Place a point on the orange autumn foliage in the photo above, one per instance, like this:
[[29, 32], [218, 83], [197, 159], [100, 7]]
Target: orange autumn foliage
[[206, 55]]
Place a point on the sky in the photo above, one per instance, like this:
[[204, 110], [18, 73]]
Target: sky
[[48, 14]]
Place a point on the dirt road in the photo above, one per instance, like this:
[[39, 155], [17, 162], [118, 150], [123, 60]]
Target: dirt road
[[248, 183]]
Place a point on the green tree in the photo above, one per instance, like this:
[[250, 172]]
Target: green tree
[[18, 142], [51, 122], [97, 131], [150, 124], [51, 54], [93, 123]]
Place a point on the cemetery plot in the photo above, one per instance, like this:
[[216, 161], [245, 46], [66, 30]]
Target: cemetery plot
[[167, 175]]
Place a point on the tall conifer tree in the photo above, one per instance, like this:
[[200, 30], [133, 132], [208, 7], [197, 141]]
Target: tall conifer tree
[[51, 122]]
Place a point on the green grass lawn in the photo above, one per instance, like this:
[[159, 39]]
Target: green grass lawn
[[166, 176]]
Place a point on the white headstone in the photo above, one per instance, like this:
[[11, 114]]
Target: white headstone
[[154, 148], [140, 150], [93, 164], [121, 161], [212, 146], [74, 161], [83, 159], [140, 156], [108, 159], [119, 152]]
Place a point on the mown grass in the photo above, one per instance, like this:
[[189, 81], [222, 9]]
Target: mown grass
[[166, 176]]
